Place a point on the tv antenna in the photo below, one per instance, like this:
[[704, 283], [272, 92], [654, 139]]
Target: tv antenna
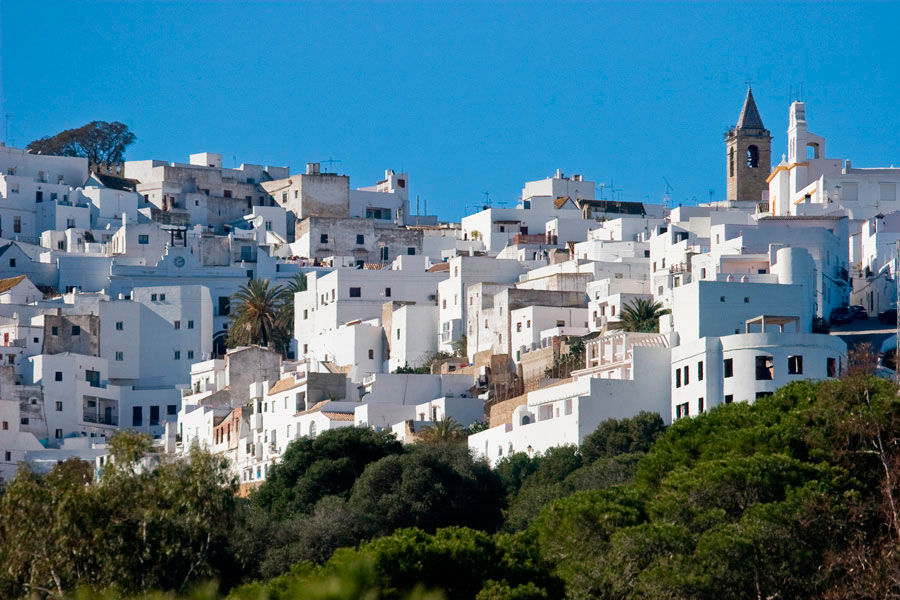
[[669, 190], [6, 119], [330, 161]]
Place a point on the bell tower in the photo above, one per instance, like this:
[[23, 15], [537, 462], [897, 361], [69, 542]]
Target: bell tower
[[748, 147]]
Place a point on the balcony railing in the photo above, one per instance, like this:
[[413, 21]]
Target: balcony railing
[[101, 419]]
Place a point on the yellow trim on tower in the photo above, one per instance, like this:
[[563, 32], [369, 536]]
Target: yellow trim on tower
[[784, 168]]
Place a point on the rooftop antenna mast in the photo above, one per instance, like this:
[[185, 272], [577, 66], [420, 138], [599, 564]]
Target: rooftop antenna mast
[[487, 199], [330, 161], [6, 119], [669, 190]]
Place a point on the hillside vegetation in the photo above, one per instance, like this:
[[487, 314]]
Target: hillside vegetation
[[795, 496]]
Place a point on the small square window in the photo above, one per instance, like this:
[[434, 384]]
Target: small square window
[[177, 355], [360, 239], [162, 297], [171, 409], [795, 365], [120, 325], [387, 292], [59, 406], [411, 251], [190, 354], [59, 434], [746, 299], [24, 420], [721, 298], [190, 324], [54, 330], [143, 239], [76, 330], [58, 376], [177, 324], [120, 356], [323, 239], [729, 398], [355, 292], [153, 297], [371, 354]]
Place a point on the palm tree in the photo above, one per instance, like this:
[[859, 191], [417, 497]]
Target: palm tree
[[255, 318], [642, 315], [444, 431]]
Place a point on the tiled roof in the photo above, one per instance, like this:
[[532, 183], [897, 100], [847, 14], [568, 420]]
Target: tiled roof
[[441, 266], [749, 118], [338, 416], [561, 201], [10, 283], [285, 384]]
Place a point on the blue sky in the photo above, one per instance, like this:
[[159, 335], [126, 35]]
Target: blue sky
[[467, 97]]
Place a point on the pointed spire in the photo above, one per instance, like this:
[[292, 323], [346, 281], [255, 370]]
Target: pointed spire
[[749, 118]]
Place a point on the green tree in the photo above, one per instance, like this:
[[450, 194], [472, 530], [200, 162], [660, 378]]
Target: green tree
[[625, 436], [100, 142], [255, 316], [642, 315], [443, 431]]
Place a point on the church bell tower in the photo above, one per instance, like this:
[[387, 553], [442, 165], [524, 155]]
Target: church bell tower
[[748, 147]]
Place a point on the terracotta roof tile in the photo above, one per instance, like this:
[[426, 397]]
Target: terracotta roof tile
[[10, 283]]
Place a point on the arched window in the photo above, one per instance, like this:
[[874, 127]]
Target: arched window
[[731, 163], [312, 429], [526, 420], [752, 157]]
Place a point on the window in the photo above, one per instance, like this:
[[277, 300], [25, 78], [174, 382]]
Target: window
[[518, 326], [171, 409], [58, 406], [850, 191], [721, 298], [143, 239], [682, 410], [411, 251], [7, 455], [17, 224], [795, 365], [58, 434], [39, 196], [702, 273], [728, 367], [137, 416], [762, 394], [190, 354], [162, 297], [398, 334], [58, 376], [76, 330], [224, 305], [387, 292], [700, 405], [371, 354], [23, 421], [729, 398], [765, 367], [154, 415], [120, 325], [323, 239], [700, 371], [177, 324], [678, 377], [5, 425], [831, 367], [177, 355], [888, 192], [355, 292], [731, 163], [360, 239], [190, 324], [305, 313], [120, 356], [153, 297]]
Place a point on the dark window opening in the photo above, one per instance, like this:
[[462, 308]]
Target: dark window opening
[[752, 157], [765, 368], [795, 365], [728, 367]]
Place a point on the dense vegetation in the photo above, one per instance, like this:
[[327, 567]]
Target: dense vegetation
[[796, 496]]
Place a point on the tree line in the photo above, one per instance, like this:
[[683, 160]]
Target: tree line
[[795, 496]]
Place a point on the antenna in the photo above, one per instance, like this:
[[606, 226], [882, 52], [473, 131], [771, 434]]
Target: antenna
[[487, 198], [330, 161], [669, 190], [6, 119]]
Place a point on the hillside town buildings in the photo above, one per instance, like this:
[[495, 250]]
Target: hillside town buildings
[[117, 284]]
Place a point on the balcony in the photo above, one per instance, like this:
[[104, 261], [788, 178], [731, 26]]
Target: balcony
[[101, 419], [526, 238]]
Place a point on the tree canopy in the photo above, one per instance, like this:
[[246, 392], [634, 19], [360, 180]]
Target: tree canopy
[[100, 142]]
